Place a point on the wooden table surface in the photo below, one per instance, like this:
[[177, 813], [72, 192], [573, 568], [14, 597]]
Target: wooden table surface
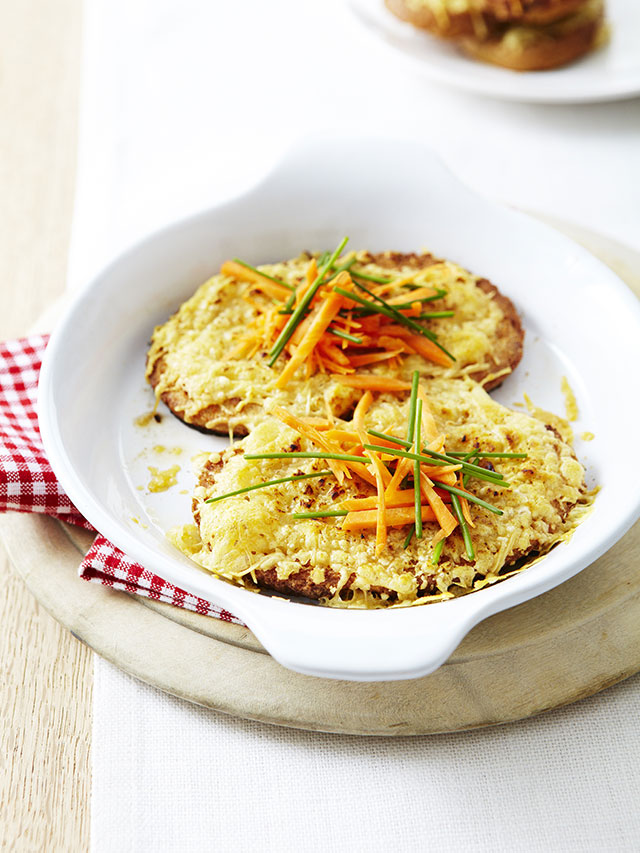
[[46, 682]]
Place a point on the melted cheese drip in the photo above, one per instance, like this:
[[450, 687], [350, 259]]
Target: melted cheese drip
[[241, 534], [161, 481], [570, 404]]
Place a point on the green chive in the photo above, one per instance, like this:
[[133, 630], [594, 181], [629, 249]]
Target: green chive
[[437, 551], [453, 491], [390, 311], [269, 483], [377, 279], [409, 537], [266, 275], [388, 437], [413, 403], [467, 466], [417, 494], [434, 315], [433, 458], [482, 455], [345, 335], [295, 318], [330, 513], [345, 457], [468, 544]]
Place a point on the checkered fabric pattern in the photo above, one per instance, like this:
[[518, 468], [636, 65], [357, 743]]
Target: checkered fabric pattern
[[28, 484]]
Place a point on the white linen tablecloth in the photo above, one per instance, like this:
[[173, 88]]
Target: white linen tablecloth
[[186, 103]]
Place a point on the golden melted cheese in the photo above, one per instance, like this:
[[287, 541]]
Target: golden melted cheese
[[238, 535], [161, 481], [193, 347]]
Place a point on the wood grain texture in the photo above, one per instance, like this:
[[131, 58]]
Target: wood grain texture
[[45, 688]]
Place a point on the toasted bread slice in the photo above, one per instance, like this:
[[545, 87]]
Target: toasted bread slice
[[451, 19], [190, 367], [523, 47], [253, 537]]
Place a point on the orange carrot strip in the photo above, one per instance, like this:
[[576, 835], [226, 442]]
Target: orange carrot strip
[[401, 498], [372, 358], [237, 271], [360, 411], [364, 404], [338, 467], [429, 428], [464, 504], [389, 343], [325, 315], [318, 423], [374, 383], [362, 471], [334, 367], [333, 351], [402, 469], [443, 474], [445, 519], [427, 349], [395, 517], [343, 435]]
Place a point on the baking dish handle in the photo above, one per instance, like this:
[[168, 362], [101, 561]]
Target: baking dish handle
[[361, 645]]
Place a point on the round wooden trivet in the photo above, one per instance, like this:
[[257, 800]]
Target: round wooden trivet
[[565, 645]]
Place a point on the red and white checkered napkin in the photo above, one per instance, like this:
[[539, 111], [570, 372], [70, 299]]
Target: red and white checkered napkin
[[28, 484]]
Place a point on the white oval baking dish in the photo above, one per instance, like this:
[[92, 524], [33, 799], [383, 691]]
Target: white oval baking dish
[[385, 195]]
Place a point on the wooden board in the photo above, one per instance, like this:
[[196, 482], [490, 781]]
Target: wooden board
[[565, 645]]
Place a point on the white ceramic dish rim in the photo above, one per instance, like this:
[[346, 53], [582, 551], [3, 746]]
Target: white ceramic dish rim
[[354, 645], [598, 77]]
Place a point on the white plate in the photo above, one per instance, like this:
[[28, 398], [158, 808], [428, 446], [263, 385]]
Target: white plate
[[608, 74], [581, 322]]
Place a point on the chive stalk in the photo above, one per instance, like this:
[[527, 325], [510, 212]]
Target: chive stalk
[[468, 544], [264, 274], [437, 552], [292, 479], [475, 470], [344, 335], [409, 537], [390, 311], [417, 490], [330, 513]]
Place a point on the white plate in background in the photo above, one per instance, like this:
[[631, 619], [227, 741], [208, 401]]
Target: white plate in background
[[608, 74]]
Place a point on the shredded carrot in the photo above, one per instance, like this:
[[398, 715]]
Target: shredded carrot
[[402, 469], [337, 466], [374, 383], [429, 428], [395, 517], [427, 349], [464, 505], [403, 497], [446, 520], [237, 271], [325, 315]]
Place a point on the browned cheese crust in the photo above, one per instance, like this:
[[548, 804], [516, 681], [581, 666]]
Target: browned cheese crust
[[504, 355]]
